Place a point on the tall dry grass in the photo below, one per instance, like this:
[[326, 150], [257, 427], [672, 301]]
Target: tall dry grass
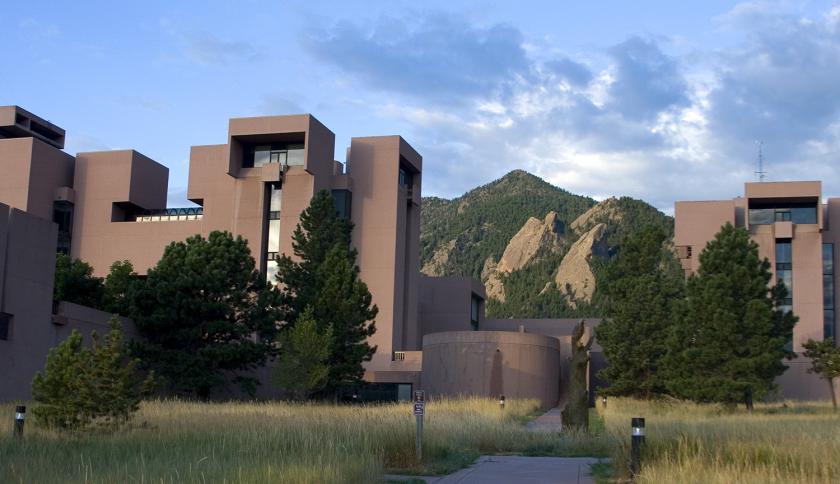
[[690, 443], [176, 441]]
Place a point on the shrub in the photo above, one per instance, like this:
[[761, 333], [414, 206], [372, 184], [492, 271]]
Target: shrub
[[84, 388]]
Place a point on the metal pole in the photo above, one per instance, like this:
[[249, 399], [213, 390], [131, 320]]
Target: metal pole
[[418, 438], [637, 439], [20, 417]]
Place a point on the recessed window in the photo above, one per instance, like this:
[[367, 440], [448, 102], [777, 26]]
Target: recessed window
[[287, 154], [828, 291], [765, 213], [5, 326], [343, 200], [475, 308]]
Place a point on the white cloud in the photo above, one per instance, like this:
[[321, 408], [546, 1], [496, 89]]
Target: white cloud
[[644, 123]]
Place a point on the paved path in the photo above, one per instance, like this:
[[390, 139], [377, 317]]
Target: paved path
[[514, 469], [550, 421]]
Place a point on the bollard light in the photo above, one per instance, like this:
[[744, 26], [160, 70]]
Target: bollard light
[[604, 402], [502, 402], [637, 439], [20, 417]]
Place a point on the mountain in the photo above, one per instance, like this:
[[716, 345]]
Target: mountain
[[537, 248]]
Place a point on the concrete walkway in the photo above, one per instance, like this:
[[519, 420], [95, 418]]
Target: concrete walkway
[[551, 421], [514, 469]]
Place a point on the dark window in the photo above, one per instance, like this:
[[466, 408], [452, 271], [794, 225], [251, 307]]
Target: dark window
[[343, 200], [782, 215], [405, 177], [828, 258], [784, 267], [764, 213], [804, 215], [475, 306], [63, 217], [761, 216], [5, 324], [828, 290]]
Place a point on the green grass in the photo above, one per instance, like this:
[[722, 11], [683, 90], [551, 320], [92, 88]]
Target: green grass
[[777, 443], [175, 441]]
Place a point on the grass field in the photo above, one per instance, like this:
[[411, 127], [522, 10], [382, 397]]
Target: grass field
[[173, 441], [777, 443]]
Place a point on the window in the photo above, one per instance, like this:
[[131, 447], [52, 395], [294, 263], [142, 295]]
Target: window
[[828, 291], [5, 325], [63, 217], [475, 308], [343, 200], [255, 156], [763, 213], [272, 225], [405, 178], [784, 267]]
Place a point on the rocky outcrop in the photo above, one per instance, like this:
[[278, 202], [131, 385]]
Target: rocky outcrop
[[605, 211], [536, 234], [533, 237], [574, 276], [437, 264]]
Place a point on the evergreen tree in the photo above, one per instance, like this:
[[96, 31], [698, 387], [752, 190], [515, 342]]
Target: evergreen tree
[[116, 287], [324, 276], [302, 367], [206, 315], [75, 282], [825, 362], [88, 387], [729, 341], [640, 289]]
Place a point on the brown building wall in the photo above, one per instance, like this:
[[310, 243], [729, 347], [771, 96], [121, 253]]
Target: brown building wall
[[445, 304], [385, 218], [696, 223], [26, 294], [492, 363]]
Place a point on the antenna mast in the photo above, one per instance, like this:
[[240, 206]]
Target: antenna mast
[[760, 174]]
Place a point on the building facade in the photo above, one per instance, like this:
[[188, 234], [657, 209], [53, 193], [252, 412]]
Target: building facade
[[797, 232], [107, 206]]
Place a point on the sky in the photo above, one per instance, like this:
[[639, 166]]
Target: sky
[[658, 100]]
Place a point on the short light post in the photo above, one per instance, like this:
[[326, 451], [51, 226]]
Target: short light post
[[637, 439], [20, 417], [501, 402], [604, 402]]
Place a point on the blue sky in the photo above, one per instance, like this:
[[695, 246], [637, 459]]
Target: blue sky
[[661, 100]]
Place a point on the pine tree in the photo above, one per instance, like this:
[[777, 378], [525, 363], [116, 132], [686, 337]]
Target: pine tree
[[83, 387], [729, 341], [825, 362], [117, 285], [302, 366], [206, 314], [324, 276], [75, 282], [641, 288]]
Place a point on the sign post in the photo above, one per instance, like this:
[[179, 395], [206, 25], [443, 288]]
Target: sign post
[[419, 411]]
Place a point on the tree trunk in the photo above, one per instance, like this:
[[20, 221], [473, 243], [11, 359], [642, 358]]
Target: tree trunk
[[748, 400], [833, 395]]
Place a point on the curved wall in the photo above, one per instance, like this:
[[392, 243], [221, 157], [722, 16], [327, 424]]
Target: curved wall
[[492, 363]]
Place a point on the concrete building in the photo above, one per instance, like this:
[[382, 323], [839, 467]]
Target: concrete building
[[797, 232], [106, 206]]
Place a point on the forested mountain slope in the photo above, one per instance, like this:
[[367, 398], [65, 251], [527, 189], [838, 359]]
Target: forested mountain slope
[[538, 249]]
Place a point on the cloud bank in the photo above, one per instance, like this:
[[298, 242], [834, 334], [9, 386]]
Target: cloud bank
[[629, 119]]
